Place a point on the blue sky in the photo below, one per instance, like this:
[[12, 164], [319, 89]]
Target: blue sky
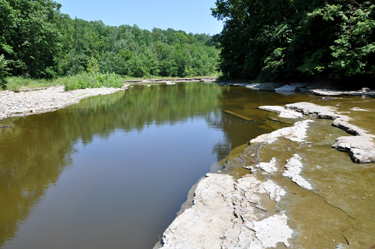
[[191, 16]]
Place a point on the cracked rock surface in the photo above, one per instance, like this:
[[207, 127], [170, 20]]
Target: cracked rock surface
[[301, 193], [360, 148], [230, 214]]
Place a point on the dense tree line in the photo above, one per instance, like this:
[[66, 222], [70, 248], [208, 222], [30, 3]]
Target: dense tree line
[[297, 39], [39, 41]]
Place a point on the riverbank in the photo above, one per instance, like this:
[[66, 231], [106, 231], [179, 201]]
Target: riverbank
[[299, 191], [50, 99]]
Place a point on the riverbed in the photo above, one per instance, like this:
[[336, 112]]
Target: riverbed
[[112, 171]]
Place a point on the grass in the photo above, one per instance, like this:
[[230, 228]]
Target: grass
[[79, 81], [16, 83]]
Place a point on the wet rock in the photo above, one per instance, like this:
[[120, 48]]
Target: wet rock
[[295, 133], [267, 167], [295, 87], [224, 216], [273, 230], [284, 113], [343, 123], [325, 92], [294, 168], [263, 86], [313, 109], [286, 88], [203, 225], [361, 149], [357, 109]]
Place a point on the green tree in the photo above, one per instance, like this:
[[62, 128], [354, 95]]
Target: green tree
[[92, 65], [296, 39], [30, 36], [4, 71]]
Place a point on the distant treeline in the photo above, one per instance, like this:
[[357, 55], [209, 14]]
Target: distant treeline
[[40, 42], [297, 39]]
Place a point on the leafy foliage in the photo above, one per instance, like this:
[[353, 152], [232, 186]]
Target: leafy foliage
[[4, 71], [91, 80], [41, 42], [281, 40]]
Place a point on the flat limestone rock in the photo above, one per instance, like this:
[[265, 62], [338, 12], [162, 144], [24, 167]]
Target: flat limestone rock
[[284, 113], [204, 224], [296, 133], [343, 123], [273, 230], [313, 109], [286, 88], [224, 216], [325, 92], [361, 146], [361, 149], [268, 167], [294, 168], [263, 86]]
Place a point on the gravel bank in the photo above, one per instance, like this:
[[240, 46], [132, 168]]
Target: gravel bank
[[26, 103]]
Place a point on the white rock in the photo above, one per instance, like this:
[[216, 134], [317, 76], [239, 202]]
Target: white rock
[[203, 225], [286, 88], [295, 133], [273, 230], [294, 168], [268, 167], [284, 113]]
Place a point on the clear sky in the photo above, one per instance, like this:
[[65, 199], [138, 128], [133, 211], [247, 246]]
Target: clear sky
[[188, 15]]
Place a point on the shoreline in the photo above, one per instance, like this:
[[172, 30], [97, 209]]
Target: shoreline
[[45, 100], [254, 214]]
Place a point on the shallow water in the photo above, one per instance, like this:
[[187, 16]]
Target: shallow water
[[112, 171], [339, 209]]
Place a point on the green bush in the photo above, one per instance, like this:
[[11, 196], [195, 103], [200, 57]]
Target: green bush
[[91, 80], [3, 71]]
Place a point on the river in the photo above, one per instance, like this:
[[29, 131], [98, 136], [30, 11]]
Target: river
[[113, 171]]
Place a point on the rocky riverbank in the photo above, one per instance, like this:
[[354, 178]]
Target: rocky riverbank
[[298, 193], [25, 103]]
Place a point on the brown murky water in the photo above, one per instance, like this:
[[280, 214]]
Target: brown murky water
[[112, 171], [339, 212]]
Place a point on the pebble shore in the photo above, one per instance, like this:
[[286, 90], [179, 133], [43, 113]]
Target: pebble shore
[[26, 103]]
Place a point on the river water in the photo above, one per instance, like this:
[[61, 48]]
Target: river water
[[113, 171]]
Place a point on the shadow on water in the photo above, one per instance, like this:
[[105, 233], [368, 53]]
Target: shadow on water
[[113, 170]]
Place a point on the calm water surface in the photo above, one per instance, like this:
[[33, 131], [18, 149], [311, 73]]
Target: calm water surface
[[112, 171]]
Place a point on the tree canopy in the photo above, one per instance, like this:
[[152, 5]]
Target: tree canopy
[[39, 41], [296, 39]]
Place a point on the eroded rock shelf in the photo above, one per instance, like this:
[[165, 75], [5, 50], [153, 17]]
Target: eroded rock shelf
[[299, 192]]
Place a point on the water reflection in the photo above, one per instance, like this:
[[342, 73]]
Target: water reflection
[[37, 149]]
